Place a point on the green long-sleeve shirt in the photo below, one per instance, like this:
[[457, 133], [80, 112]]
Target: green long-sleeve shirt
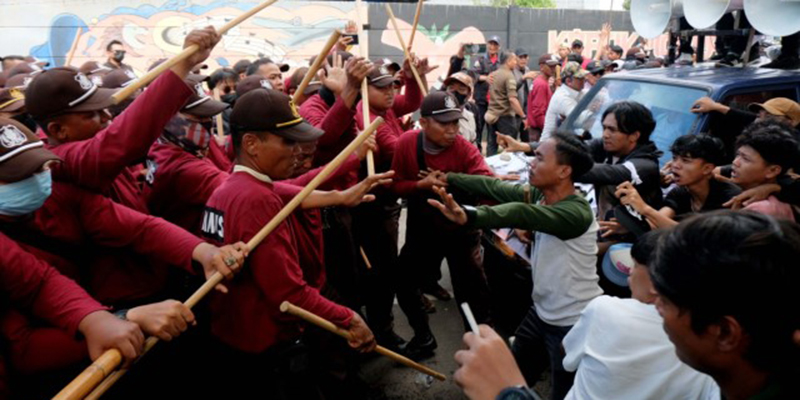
[[567, 219]]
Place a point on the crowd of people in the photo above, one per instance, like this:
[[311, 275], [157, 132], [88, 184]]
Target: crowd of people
[[112, 214]]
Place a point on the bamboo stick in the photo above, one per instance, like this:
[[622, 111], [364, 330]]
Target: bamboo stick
[[74, 47], [312, 71], [416, 22], [422, 87]]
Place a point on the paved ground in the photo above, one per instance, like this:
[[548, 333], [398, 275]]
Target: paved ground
[[391, 381]]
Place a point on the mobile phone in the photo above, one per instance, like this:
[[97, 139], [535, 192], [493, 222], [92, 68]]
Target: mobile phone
[[472, 48], [354, 36]]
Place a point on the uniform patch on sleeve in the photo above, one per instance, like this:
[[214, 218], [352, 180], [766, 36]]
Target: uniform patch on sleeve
[[213, 224], [152, 167]]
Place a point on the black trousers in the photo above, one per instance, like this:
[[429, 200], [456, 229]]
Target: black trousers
[[507, 125], [537, 346], [376, 227], [342, 268], [427, 243]]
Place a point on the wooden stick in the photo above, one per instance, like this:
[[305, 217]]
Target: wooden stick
[[363, 52], [312, 71], [329, 326], [112, 378], [74, 47], [364, 256], [414, 71], [220, 123], [89, 378], [186, 53], [416, 22], [558, 75]]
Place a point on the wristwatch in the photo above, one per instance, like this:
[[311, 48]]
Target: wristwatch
[[122, 314], [517, 393]]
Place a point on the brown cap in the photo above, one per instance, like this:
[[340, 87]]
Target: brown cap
[[20, 81], [11, 99], [441, 106], [462, 77], [63, 89], [23, 68], [381, 77], [118, 78], [780, 106], [21, 152], [252, 82], [92, 67], [268, 110], [548, 59], [200, 104]]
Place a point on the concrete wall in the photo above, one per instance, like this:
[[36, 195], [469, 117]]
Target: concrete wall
[[289, 31]]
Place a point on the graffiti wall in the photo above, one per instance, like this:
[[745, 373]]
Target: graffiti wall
[[290, 31]]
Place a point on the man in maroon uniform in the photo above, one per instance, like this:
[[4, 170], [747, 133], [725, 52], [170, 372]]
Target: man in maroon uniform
[[252, 332]]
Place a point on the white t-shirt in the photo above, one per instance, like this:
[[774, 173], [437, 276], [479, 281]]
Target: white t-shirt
[[620, 351], [561, 105]]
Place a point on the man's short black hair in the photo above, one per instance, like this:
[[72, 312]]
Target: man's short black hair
[[644, 250], [773, 141], [617, 49], [255, 65], [505, 55], [241, 66], [577, 44], [705, 147], [575, 57], [737, 264], [632, 117], [220, 75], [570, 150], [112, 43]]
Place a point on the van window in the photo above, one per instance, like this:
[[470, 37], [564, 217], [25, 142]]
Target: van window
[[740, 100], [669, 104]]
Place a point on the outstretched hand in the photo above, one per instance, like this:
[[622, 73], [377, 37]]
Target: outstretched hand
[[357, 194], [449, 207]]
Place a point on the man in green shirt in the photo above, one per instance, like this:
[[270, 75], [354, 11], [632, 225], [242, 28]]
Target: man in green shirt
[[563, 261]]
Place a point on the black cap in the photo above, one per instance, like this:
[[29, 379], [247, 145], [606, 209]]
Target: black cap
[[577, 43], [441, 106], [495, 39], [617, 49], [381, 77], [595, 66], [268, 110], [200, 104], [520, 52]]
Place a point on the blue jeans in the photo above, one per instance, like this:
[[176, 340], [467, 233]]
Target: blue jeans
[[537, 346]]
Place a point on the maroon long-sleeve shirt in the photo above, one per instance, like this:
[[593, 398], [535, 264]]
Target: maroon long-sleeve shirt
[[248, 318], [101, 163], [390, 131], [462, 157], [179, 184], [538, 100], [336, 121]]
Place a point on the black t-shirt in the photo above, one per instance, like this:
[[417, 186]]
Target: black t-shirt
[[680, 200]]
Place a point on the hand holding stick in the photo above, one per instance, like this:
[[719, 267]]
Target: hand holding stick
[[329, 326]]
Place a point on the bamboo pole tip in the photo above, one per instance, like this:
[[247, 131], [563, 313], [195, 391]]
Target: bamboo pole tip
[[285, 306]]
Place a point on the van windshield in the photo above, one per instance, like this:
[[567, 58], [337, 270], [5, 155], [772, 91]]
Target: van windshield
[[669, 104]]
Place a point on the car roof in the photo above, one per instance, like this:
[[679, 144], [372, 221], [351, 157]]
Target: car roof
[[709, 77]]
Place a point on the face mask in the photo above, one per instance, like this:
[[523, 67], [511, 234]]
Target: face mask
[[461, 98], [119, 55], [27, 120], [25, 196], [193, 137]]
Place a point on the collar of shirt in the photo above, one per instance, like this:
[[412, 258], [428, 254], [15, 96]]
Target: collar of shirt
[[253, 173], [571, 92]]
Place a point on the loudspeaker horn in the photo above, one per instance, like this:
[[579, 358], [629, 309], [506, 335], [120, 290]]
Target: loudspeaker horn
[[773, 17], [702, 14], [651, 17]]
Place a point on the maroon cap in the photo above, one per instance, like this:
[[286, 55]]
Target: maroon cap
[[252, 82], [21, 152], [117, 78], [441, 106], [92, 67], [11, 99], [548, 59], [63, 90], [381, 77], [268, 110], [200, 104]]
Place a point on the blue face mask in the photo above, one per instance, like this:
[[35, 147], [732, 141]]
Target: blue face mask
[[25, 196]]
